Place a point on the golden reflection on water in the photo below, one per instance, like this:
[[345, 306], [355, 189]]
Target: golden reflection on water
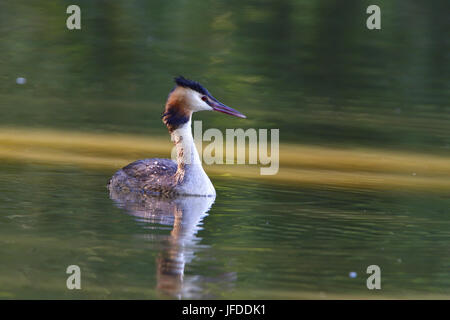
[[299, 164]]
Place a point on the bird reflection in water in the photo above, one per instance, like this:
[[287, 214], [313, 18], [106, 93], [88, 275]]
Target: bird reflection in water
[[185, 215]]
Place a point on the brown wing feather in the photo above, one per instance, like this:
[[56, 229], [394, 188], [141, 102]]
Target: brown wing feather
[[154, 176]]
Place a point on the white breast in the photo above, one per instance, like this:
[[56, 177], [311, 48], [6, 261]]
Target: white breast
[[195, 180]]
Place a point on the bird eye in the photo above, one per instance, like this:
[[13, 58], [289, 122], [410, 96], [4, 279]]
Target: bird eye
[[204, 98]]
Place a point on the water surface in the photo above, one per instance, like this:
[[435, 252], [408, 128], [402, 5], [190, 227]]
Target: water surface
[[281, 242], [364, 121]]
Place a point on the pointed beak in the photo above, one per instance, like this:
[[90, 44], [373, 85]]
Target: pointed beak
[[219, 106]]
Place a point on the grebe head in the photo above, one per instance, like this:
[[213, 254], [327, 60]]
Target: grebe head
[[190, 96]]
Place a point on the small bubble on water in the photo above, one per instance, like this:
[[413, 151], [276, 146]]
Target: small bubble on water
[[352, 274], [21, 80]]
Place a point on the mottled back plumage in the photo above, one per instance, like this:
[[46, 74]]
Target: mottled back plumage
[[151, 176]]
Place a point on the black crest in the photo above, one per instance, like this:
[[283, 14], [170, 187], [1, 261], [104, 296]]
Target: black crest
[[186, 83]]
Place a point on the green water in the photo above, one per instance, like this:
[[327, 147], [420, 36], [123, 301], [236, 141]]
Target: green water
[[257, 241], [309, 68]]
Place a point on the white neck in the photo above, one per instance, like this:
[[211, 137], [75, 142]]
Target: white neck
[[190, 176]]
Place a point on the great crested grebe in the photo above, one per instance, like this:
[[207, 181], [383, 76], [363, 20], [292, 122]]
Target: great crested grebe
[[165, 177]]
